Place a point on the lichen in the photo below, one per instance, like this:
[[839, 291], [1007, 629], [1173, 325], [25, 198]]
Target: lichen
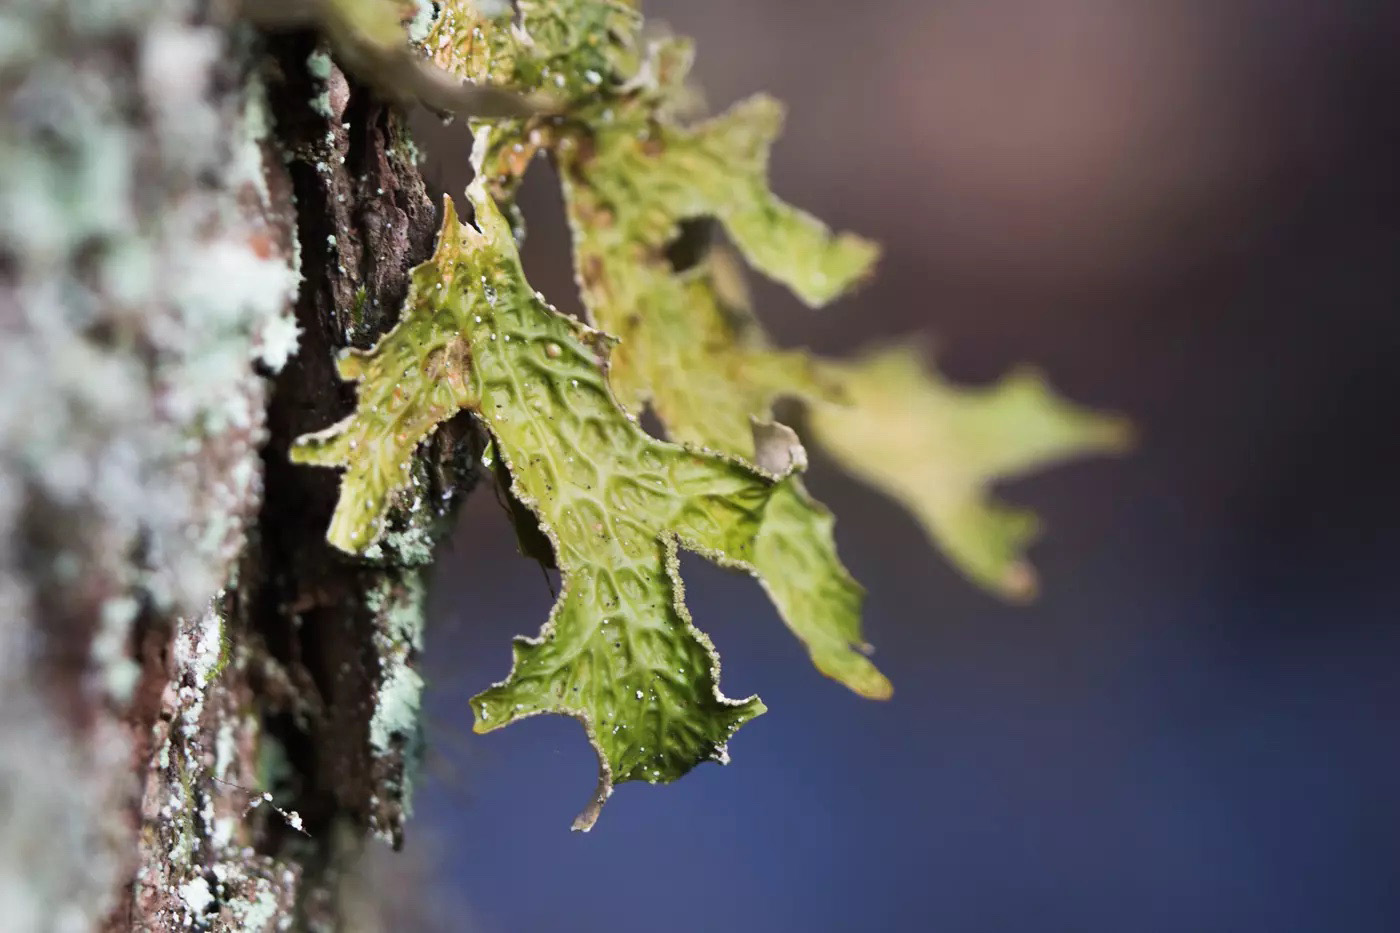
[[321, 104], [118, 671], [413, 529], [196, 895], [619, 652], [143, 282], [395, 727], [318, 64], [118, 439], [199, 646], [258, 911], [396, 706], [423, 14], [198, 797], [277, 342]]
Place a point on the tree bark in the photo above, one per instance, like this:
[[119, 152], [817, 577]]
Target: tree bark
[[204, 709]]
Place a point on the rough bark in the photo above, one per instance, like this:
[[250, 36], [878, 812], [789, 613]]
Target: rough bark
[[176, 639]]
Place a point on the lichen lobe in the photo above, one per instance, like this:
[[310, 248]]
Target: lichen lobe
[[619, 651]]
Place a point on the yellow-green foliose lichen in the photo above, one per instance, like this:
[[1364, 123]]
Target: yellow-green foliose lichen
[[619, 652]]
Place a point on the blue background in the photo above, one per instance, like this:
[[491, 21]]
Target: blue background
[[1187, 214]]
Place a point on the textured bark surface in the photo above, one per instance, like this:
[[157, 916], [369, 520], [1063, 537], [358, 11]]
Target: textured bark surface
[[176, 639]]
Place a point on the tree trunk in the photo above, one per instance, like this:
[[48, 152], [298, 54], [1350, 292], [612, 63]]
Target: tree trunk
[[204, 709]]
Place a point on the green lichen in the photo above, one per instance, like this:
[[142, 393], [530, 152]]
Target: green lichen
[[371, 41], [564, 48], [225, 653], [318, 65], [620, 652]]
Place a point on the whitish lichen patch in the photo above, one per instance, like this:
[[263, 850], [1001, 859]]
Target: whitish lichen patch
[[140, 278], [111, 660], [258, 910], [196, 895], [395, 727]]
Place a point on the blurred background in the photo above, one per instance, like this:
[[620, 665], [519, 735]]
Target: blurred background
[[1188, 212]]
